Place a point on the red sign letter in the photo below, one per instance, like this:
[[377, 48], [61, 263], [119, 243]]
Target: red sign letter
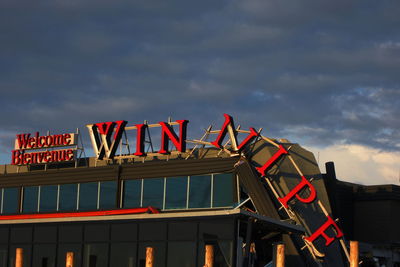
[[321, 232], [227, 126], [141, 128], [167, 133], [294, 193], [253, 134], [274, 158]]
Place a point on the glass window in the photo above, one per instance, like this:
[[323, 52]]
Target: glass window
[[182, 231], [216, 229], [153, 192], [159, 253], [152, 231], [108, 195], [222, 252], [132, 193], [26, 254], [3, 256], [95, 255], [44, 255], [124, 232], [45, 234], [123, 254], [68, 196], [176, 193], [200, 191], [70, 233], [62, 252], [48, 198], [223, 190], [181, 254], [97, 232], [11, 200], [4, 234], [21, 234], [88, 196], [30, 204]]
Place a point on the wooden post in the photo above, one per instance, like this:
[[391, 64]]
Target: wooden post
[[279, 255], [149, 256], [19, 257], [209, 256], [353, 253], [69, 259]]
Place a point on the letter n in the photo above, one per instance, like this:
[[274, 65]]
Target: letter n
[[167, 133]]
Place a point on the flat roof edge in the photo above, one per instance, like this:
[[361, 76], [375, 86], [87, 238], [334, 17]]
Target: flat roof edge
[[166, 215]]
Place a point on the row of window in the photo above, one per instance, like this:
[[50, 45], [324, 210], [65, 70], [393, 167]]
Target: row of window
[[119, 244], [185, 192], [201, 191], [171, 254]]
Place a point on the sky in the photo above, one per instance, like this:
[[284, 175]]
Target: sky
[[321, 73]]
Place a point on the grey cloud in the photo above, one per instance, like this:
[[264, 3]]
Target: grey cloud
[[319, 72]]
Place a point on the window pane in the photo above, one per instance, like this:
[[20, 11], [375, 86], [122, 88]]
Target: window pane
[[3, 256], [68, 195], [11, 200], [44, 255], [200, 191], [97, 232], [4, 234], [26, 255], [21, 234], [45, 234], [153, 190], [152, 231], [159, 253], [108, 195], [223, 190], [70, 233], [88, 196], [176, 193], [222, 253], [30, 199], [123, 254], [181, 254], [48, 198], [132, 191], [95, 255], [64, 248], [123, 232]]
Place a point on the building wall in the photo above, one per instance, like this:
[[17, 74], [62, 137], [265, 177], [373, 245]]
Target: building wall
[[120, 243]]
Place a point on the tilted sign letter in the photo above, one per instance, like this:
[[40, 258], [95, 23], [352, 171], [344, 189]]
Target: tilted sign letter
[[229, 127], [295, 193], [321, 232]]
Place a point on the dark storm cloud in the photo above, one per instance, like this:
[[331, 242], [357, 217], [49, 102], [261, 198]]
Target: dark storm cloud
[[319, 72]]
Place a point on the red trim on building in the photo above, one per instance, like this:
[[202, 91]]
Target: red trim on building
[[79, 214]]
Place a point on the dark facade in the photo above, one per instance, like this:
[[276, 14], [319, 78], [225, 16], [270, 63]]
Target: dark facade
[[369, 214], [207, 198], [198, 200]]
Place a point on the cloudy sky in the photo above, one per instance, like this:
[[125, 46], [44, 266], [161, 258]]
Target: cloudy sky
[[321, 73]]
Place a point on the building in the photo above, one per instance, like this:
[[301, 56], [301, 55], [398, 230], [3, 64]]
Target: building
[[369, 214], [239, 199]]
